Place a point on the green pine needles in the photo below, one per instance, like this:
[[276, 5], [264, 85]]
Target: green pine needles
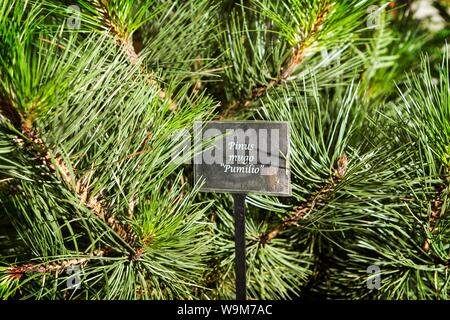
[[93, 205]]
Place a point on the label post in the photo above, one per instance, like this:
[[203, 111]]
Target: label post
[[239, 242], [245, 156]]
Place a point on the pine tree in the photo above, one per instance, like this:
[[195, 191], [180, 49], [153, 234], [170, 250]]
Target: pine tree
[[94, 206]]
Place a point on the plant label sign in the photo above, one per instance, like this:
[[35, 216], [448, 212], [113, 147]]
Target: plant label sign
[[243, 156]]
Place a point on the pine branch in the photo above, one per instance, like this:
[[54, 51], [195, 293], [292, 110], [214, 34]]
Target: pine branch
[[17, 272], [35, 144], [125, 41], [436, 212], [94, 203], [297, 58], [309, 203]]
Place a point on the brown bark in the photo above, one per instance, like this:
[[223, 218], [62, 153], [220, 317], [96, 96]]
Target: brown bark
[[17, 272], [297, 57], [57, 165], [436, 210], [125, 41], [309, 203]]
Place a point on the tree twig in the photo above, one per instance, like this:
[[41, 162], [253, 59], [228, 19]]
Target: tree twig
[[436, 211], [297, 57], [126, 42], [309, 203], [18, 271], [57, 165]]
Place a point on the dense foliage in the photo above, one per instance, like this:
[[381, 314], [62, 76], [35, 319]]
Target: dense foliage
[[93, 92]]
